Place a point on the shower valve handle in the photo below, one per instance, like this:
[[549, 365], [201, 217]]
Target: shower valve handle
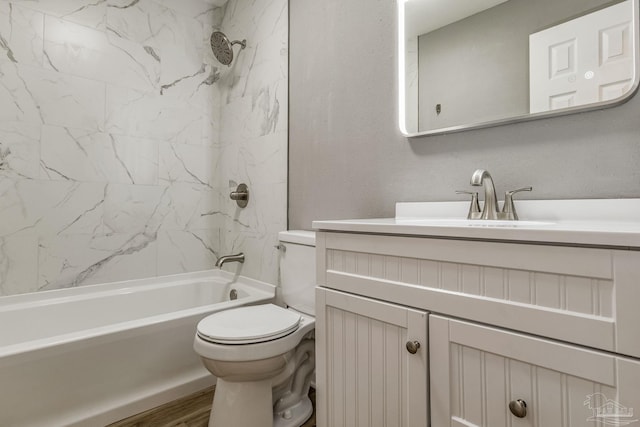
[[241, 195]]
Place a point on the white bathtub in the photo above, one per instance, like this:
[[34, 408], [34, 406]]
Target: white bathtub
[[93, 355]]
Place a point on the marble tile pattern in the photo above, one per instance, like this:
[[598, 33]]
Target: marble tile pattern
[[121, 136], [253, 133]]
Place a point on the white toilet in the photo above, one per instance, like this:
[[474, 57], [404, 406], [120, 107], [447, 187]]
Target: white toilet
[[264, 355]]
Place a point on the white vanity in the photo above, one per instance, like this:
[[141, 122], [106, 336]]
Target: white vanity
[[429, 319]]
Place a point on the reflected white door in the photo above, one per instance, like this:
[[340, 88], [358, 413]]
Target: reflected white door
[[588, 59]]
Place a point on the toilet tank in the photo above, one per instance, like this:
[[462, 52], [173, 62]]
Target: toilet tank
[[298, 269]]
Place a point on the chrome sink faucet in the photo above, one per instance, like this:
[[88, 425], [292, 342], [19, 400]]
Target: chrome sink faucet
[[230, 258], [490, 209]]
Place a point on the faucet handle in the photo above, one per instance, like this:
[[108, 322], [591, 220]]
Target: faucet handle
[[509, 209], [512, 192], [474, 209]]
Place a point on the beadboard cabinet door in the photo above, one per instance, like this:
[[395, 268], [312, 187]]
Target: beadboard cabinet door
[[476, 371], [365, 374]]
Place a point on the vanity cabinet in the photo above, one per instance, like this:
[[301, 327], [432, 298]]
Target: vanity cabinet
[[477, 371], [555, 326], [371, 362]]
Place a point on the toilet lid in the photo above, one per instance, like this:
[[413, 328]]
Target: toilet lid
[[246, 325]]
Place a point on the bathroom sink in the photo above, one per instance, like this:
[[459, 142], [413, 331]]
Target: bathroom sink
[[456, 222], [610, 222]]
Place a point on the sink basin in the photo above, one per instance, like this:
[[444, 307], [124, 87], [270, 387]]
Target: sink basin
[[593, 222], [454, 222]]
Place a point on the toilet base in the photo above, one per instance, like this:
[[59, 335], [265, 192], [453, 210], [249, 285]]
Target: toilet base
[[242, 404], [294, 416]]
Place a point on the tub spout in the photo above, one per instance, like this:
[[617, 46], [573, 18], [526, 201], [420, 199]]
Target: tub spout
[[230, 258]]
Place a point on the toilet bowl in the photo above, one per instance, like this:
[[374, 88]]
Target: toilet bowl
[[264, 355]]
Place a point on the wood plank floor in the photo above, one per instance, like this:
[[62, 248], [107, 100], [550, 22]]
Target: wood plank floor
[[190, 411]]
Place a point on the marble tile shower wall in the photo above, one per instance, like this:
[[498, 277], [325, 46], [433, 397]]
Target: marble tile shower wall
[[113, 159], [254, 133]]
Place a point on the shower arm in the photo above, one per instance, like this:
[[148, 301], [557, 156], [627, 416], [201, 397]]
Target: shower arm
[[242, 43]]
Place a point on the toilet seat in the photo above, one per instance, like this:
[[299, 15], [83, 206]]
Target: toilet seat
[[255, 351], [248, 325]]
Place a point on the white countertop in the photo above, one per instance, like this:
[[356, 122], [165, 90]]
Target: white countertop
[[597, 222]]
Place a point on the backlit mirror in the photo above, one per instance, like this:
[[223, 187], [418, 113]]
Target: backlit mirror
[[468, 64]]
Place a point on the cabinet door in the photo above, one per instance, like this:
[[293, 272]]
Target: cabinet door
[[365, 375], [476, 371]]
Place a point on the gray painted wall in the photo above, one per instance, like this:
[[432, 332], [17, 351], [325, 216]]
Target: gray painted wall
[[347, 158], [460, 62]]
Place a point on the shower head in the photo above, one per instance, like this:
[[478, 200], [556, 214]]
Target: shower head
[[222, 47]]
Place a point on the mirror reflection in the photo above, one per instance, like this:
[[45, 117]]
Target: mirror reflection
[[467, 64]]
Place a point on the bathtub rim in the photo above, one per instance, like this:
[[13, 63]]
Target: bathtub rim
[[39, 296], [258, 292]]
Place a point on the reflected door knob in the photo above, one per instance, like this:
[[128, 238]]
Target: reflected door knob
[[518, 408], [413, 346]]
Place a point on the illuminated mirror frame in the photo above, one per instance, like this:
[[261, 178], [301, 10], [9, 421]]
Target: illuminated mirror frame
[[402, 113]]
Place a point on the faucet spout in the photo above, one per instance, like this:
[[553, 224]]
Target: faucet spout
[[230, 258], [490, 209]]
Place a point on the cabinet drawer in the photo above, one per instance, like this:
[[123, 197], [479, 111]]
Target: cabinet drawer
[[585, 296], [476, 371]]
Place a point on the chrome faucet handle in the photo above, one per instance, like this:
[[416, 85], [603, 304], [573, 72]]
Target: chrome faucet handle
[[474, 209], [509, 209]]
